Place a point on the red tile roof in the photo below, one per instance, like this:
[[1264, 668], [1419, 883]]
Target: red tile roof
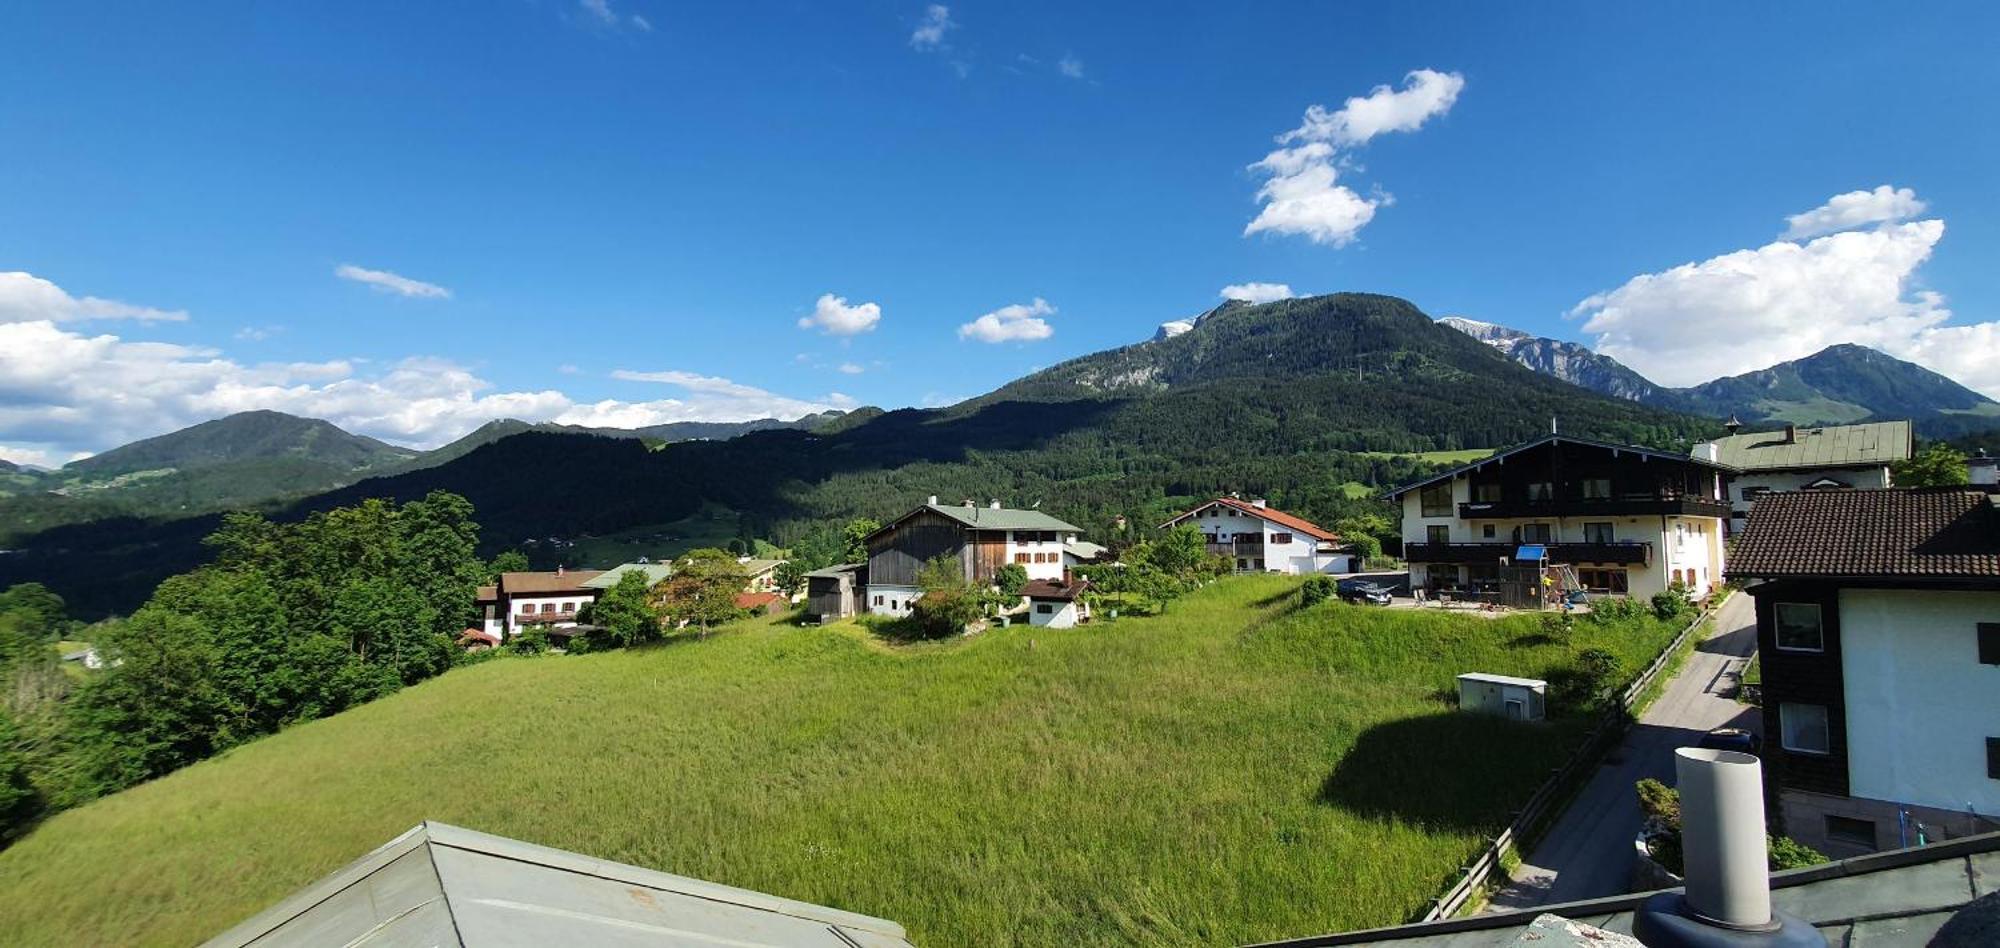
[[478, 635], [1279, 517], [1932, 533], [754, 600]]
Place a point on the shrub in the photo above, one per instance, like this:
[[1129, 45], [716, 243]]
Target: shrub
[[1789, 853], [1671, 603], [17, 796], [1660, 803], [1615, 609], [533, 640], [1317, 589]]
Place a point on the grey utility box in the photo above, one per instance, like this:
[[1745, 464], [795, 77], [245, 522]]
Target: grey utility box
[[1516, 699]]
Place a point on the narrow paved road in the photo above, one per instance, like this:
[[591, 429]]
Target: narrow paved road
[[1588, 853]]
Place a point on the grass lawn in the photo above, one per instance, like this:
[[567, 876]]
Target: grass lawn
[[1234, 770], [1437, 457]]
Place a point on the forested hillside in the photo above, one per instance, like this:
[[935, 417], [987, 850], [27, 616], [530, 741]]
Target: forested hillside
[[1277, 400]]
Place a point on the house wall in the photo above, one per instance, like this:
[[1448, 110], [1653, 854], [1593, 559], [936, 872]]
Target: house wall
[[1797, 677], [1061, 615], [896, 555], [515, 604], [894, 598], [1920, 706], [830, 598], [1049, 551]]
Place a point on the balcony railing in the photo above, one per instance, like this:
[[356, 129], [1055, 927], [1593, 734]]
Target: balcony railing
[[1619, 554], [1682, 506]]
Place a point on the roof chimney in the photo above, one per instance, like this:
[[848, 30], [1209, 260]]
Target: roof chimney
[[1732, 424], [1791, 433], [994, 503], [1982, 471], [1260, 503], [1727, 901], [932, 501]]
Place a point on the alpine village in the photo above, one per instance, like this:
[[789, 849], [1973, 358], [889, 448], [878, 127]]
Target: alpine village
[[1303, 619]]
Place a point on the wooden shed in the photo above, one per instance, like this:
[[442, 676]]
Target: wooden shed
[[834, 593]]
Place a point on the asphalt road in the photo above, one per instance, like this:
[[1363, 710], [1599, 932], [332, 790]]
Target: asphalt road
[[1588, 853]]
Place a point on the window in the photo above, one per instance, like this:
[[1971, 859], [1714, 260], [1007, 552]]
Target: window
[[1597, 533], [1989, 643], [548, 607], [1541, 490], [1677, 578], [1798, 626], [1804, 727], [569, 607], [1851, 831], [878, 600], [1436, 500], [1605, 580], [1281, 538], [1486, 493], [1020, 557], [1486, 532], [1534, 533], [1751, 493], [1597, 488], [527, 608], [1437, 533], [1993, 757], [1045, 608], [1242, 563]]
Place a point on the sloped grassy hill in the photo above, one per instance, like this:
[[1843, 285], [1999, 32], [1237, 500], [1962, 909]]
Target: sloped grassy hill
[[1233, 771]]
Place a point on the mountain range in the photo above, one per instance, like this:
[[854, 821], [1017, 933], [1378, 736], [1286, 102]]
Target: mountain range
[[1840, 384], [1297, 400]]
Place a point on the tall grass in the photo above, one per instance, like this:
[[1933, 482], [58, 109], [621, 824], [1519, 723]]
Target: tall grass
[[1237, 769]]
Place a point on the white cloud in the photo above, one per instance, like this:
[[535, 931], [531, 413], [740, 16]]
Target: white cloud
[[931, 29], [1855, 209], [1302, 194], [833, 316], [25, 297], [1425, 93], [1258, 292], [388, 282], [568, 368], [599, 10], [64, 393], [1690, 323], [37, 457], [257, 333], [1070, 66], [850, 368], [642, 24], [1019, 322]]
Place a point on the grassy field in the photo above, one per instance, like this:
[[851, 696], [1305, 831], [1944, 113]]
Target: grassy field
[[1234, 770], [1437, 457]]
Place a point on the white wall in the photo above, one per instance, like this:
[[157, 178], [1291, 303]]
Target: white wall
[[895, 599], [514, 605], [1051, 552], [1919, 705], [1064, 615]]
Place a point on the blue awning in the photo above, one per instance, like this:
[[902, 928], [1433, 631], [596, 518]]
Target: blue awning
[[1532, 552]]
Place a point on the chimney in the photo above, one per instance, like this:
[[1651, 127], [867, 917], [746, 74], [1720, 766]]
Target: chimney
[[1260, 503], [994, 503], [1982, 471], [1791, 433], [1708, 451], [1727, 901], [969, 503], [932, 500], [559, 569], [1732, 424]]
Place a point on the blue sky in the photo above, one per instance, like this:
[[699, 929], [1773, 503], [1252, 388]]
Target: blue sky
[[620, 211]]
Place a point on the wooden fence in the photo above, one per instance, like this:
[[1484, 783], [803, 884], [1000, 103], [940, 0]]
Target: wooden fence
[[1547, 802]]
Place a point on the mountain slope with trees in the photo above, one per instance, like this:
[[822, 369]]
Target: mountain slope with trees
[[1279, 400]]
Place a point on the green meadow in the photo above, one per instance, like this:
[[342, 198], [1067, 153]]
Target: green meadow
[[1236, 769]]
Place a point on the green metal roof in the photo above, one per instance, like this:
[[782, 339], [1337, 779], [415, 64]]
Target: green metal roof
[[1882, 442], [654, 572], [1000, 518], [753, 567], [834, 572]]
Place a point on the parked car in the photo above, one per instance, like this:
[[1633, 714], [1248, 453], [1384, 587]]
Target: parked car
[[1364, 592], [1733, 739]]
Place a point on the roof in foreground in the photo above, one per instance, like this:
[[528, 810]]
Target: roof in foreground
[[654, 572], [1916, 534], [995, 518], [1896, 899], [1882, 442], [1274, 515], [1501, 456], [442, 885]]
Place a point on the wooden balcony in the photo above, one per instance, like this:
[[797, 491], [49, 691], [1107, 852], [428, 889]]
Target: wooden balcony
[[1618, 554], [1628, 506]]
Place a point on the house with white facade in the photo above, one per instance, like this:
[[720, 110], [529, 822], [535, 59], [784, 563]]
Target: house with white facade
[[982, 539], [1056, 603], [550, 600], [1878, 630], [1258, 538], [1829, 457], [1624, 520]]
